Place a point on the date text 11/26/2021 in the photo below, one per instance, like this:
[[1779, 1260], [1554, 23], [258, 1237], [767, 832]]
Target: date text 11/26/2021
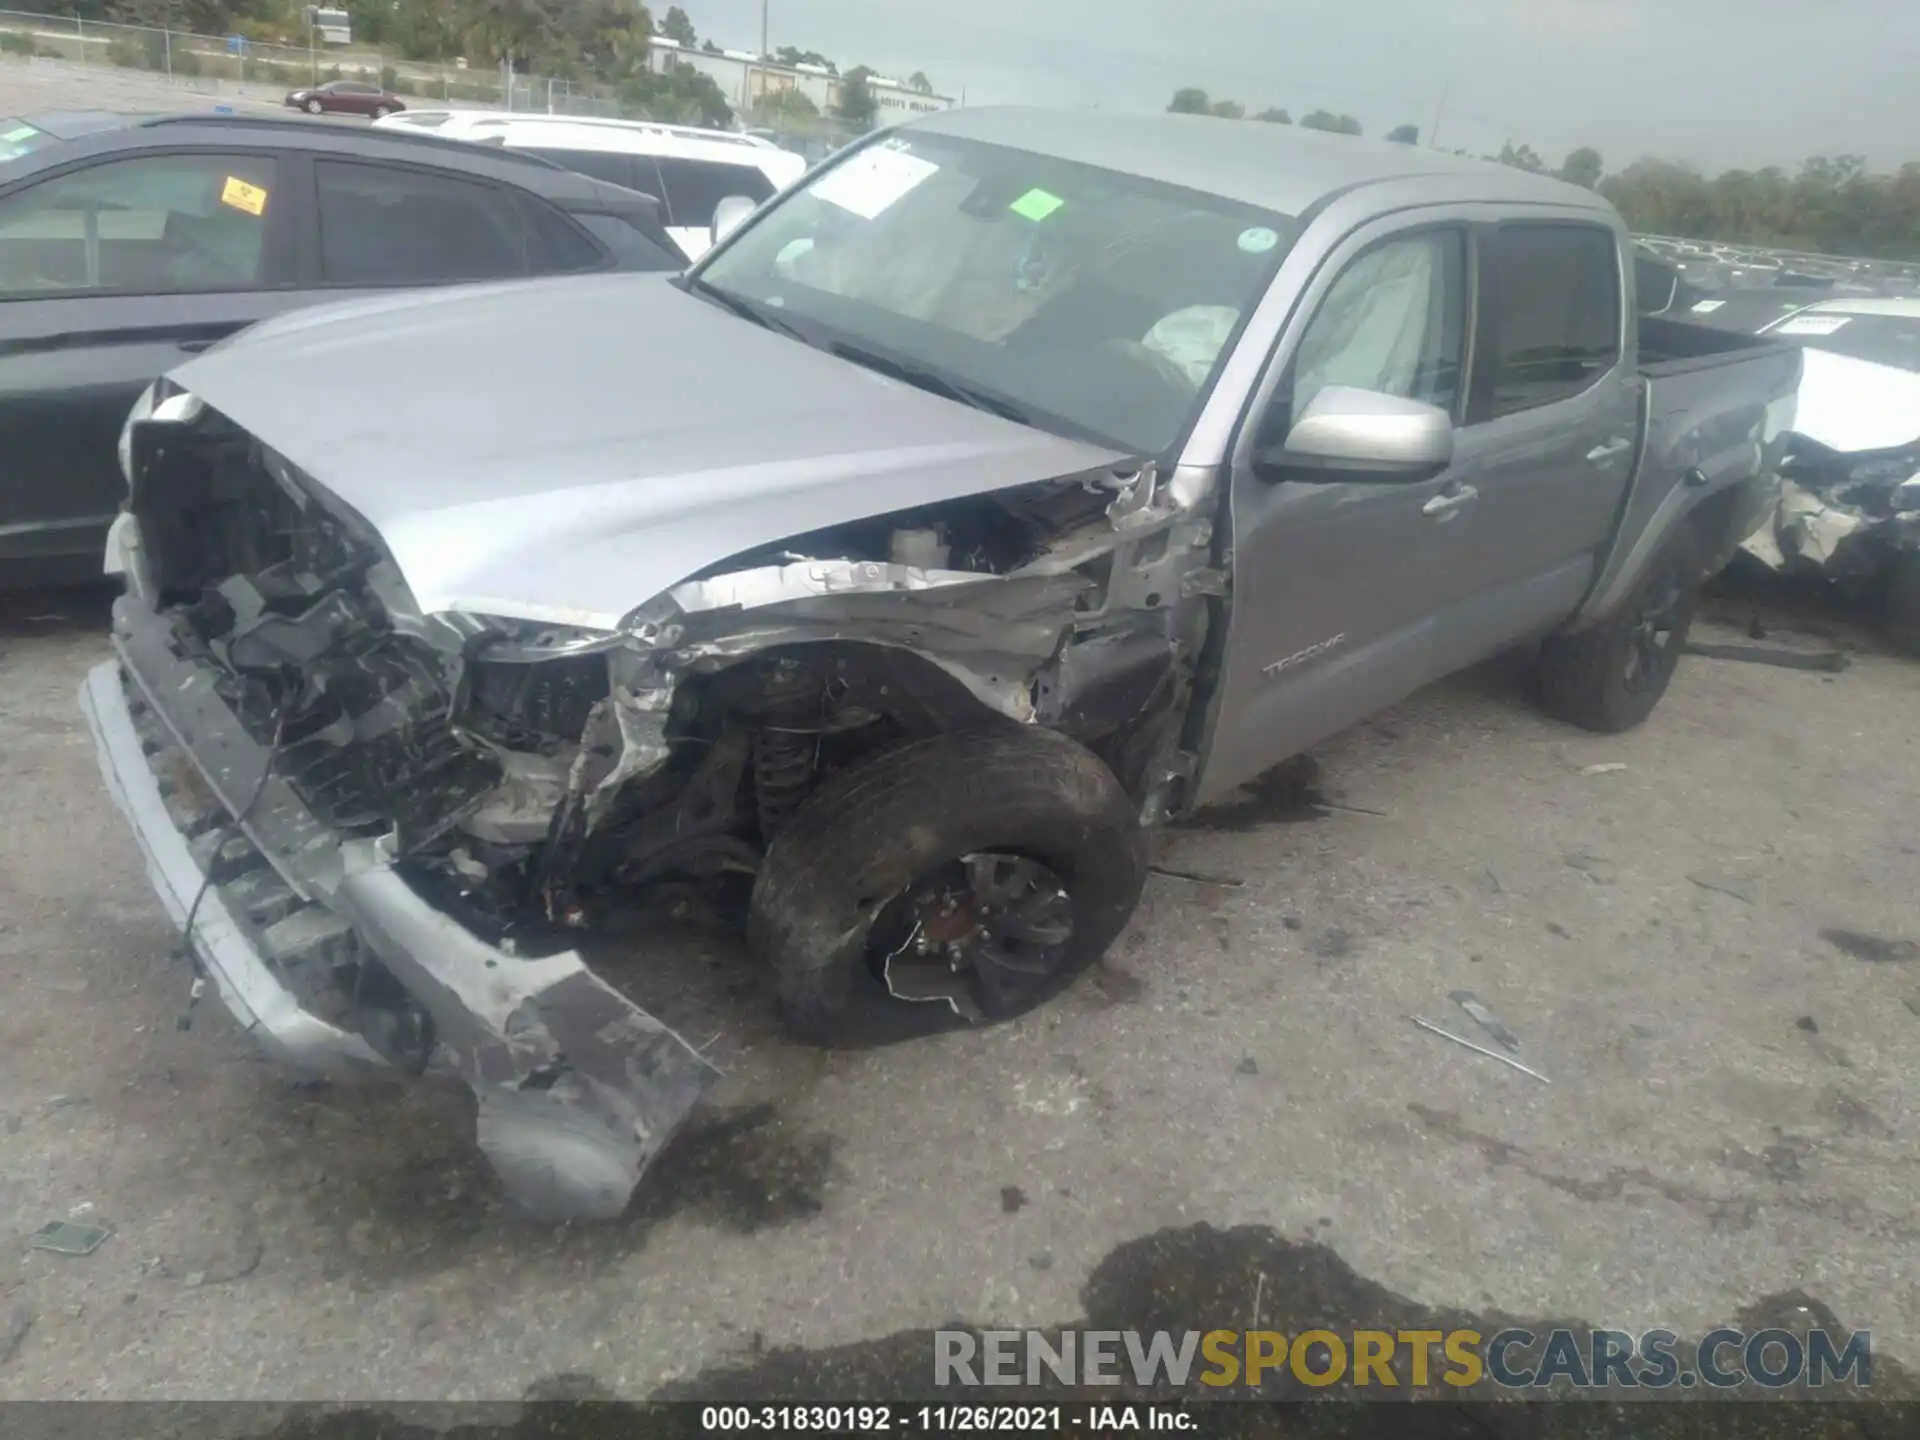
[[946, 1419]]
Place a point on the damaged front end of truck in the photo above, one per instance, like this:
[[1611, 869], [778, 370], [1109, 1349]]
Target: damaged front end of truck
[[391, 832]]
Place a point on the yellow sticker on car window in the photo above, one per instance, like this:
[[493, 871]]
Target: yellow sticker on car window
[[242, 196], [1036, 204]]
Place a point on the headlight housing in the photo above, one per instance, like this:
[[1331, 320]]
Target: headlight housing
[[162, 400]]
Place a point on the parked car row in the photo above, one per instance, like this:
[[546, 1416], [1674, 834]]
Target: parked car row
[[126, 244], [1849, 507], [690, 171]]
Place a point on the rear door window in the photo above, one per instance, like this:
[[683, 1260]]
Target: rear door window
[[695, 187], [633, 247], [560, 247], [611, 166], [384, 225], [1551, 297], [151, 225]]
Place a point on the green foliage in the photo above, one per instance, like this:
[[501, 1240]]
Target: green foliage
[[857, 106], [1404, 134], [678, 27], [784, 107], [1583, 167], [683, 96], [13, 42], [389, 79], [185, 62], [792, 55], [1330, 122], [1192, 100], [1521, 158], [1834, 205], [126, 52], [919, 81]]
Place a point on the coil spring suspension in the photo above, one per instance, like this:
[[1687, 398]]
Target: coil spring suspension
[[785, 744], [782, 775]]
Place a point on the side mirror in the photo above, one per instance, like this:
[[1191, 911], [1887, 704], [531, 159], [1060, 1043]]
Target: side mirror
[[728, 214], [1364, 435]]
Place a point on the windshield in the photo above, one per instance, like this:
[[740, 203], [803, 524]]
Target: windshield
[[1083, 300], [18, 138], [1883, 339]]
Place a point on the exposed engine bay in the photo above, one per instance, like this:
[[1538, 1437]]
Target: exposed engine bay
[[538, 782]]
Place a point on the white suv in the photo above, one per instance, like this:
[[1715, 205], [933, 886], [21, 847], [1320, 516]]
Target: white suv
[[690, 171]]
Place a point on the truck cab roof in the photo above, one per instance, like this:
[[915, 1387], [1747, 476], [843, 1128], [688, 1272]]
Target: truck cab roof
[[1285, 168]]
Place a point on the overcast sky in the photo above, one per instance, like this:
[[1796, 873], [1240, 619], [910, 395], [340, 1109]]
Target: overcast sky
[[1717, 82]]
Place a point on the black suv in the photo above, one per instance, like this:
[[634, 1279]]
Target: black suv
[[128, 241]]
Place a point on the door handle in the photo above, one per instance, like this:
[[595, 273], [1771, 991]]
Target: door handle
[[1446, 504], [1604, 452]]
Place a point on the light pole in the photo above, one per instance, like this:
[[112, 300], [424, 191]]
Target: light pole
[[764, 52]]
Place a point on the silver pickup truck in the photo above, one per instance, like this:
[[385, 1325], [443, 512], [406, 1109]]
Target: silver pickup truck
[[1014, 482]]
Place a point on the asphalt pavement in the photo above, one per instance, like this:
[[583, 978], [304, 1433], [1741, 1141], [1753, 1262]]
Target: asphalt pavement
[[1702, 933]]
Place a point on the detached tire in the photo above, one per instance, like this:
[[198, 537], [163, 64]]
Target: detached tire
[[977, 872], [1902, 614], [1609, 677]]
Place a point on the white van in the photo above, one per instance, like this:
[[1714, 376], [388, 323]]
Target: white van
[[689, 170]]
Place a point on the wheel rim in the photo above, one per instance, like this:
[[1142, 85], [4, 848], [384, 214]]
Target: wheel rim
[[983, 934], [1653, 637]]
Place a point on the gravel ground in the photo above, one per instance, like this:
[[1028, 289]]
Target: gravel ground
[[30, 86], [1672, 920], [1703, 931]]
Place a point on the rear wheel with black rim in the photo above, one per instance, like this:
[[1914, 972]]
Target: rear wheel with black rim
[[960, 880], [1610, 676]]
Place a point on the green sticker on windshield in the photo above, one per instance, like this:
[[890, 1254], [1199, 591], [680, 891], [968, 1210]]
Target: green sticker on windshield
[[1036, 204], [24, 132]]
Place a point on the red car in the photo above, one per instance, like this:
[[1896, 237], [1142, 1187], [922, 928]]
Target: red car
[[345, 97]]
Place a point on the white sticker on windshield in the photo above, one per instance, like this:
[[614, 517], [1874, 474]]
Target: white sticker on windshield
[[1813, 324], [1258, 240], [1707, 307], [869, 182]]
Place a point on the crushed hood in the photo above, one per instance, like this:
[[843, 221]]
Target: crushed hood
[[1849, 405], [564, 450]]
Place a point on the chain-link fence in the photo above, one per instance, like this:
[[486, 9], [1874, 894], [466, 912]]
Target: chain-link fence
[[236, 65]]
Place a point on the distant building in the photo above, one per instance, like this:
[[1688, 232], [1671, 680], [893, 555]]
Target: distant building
[[895, 101], [745, 80]]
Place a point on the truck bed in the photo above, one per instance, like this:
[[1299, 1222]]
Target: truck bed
[[1678, 347], [1714, 411]]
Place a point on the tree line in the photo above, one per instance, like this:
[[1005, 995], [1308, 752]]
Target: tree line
[[604, 42], [1831, 204]]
